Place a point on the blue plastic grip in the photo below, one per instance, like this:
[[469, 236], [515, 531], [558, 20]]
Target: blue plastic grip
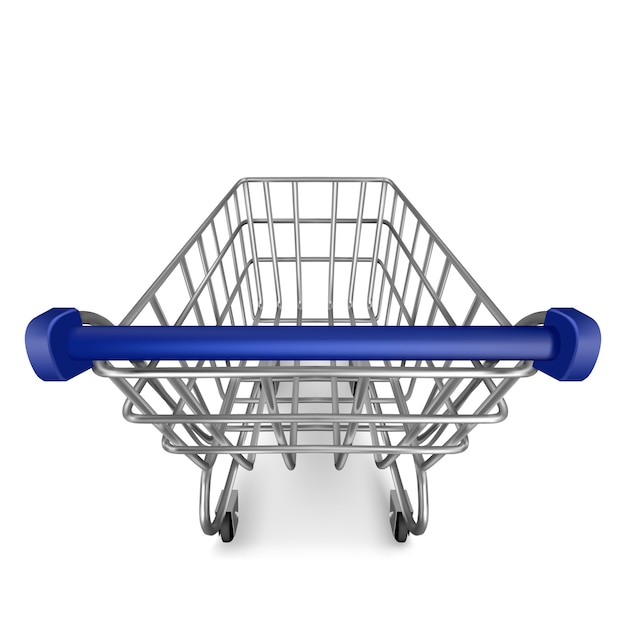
[[578, 347], [565, 347], [46, 345]]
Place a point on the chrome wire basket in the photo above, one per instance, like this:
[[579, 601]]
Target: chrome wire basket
[[314, 315]]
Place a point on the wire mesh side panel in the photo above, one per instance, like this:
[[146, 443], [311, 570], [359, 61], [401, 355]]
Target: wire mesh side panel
[[212, 281], [316, 251]]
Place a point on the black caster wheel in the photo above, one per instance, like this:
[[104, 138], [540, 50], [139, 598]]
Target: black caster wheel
[[400, 528], [399, 524], [227, 530]]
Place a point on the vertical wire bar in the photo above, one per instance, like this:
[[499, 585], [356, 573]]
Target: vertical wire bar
[[272, 234], [267, 383], [355, 253], [214, 306], [387, 252], [243, 254], [331, 263], [158, 311], [442, 283], [296, 227], [191, 290], [378, 428], [395, 263], [360, 398], [236, 266], [272, 406], [222, 272], [229, 399], [334, 392], [411, 387], [253, 247], [471, 313], [257, 390], [396, 388], [218, 381], [256, 428], [360, 389], [437, 387], [410, 270], [226, 407], [205, 268], [374, 265], [420, 287], [295, 399], [203, 257], [293, 428], [331, 275], [410, 320]]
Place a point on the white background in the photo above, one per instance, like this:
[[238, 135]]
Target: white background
[[123, 123]]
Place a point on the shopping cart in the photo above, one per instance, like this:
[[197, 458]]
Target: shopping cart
[[314, 315]]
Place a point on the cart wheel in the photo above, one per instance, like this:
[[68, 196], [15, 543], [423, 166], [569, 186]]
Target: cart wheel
[[399, 524], [227, 530], [400, 528]]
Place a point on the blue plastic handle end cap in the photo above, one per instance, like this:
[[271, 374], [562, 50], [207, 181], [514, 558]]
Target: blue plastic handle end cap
[[46, 345], [578, 345]]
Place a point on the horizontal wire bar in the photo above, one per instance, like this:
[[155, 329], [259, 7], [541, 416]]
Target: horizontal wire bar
[[313, 448], [105, 369], [323, 400], [316, 428], [313, 418]]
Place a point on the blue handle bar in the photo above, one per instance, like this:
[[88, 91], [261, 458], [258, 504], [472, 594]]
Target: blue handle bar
[[60, 347]]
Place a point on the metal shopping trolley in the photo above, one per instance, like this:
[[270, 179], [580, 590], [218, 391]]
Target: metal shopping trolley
[[314, 315]]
